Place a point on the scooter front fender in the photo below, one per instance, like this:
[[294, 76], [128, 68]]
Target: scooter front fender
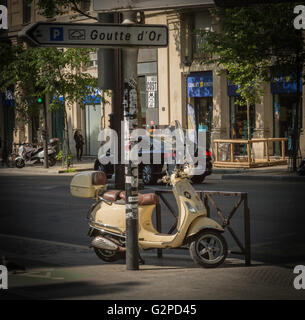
[[202, 223]]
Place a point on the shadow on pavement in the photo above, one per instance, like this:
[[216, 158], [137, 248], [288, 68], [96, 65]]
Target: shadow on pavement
[[67, 290]]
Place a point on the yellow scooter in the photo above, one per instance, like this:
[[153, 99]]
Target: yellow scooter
[[107, 220]]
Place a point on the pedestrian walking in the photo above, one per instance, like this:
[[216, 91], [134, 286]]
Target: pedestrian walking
[[79, 142]]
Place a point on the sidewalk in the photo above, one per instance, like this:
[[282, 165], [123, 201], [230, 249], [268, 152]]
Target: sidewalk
[[172, 277], [273, 173], [57, 270], [87, 163]]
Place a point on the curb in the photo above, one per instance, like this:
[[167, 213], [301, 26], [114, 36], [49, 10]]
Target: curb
[[76, 170], [263, 177]]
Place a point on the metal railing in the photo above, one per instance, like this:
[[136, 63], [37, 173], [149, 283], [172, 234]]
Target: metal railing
[[249, 160], [207, 198]]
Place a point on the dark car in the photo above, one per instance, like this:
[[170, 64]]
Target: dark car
[[150, 173]]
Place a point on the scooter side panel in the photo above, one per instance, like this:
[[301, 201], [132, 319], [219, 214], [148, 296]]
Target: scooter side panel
[[113, 215]]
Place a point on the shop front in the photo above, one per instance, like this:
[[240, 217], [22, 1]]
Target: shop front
[[93, 115], [7, 123], [200, 107], [284, 92]]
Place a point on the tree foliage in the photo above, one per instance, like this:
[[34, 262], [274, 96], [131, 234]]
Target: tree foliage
[[52, 8], [247, 41], [47, 72]]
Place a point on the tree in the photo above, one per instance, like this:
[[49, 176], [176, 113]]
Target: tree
[[247, 41], [49, 73], [52, 8]]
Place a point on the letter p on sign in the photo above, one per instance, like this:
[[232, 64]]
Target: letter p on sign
[[56, 34], [3, 277]]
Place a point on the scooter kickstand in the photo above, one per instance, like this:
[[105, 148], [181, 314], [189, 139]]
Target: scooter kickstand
[[141, 260]]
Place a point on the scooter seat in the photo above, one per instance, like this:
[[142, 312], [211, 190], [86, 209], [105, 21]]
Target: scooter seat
[[145, 199], [112, 195]]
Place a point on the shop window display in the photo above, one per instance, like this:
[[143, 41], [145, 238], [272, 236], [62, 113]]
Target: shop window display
[[239, 124]]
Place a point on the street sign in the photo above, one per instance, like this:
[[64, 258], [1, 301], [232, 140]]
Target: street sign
[[127, 5], [151, 89], [96, 35]]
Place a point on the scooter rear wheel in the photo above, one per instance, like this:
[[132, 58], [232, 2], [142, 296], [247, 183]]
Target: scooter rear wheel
[[109, 256], [209, 249]]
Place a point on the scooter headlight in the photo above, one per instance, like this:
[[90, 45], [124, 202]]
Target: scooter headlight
[[190, 207]]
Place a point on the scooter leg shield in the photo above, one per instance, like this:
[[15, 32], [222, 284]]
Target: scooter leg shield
[[202, 223]]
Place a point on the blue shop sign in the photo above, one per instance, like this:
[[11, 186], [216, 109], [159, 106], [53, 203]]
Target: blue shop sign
[[200, 84], [232, 90], [284, 84], [92, 99], [8, 98]]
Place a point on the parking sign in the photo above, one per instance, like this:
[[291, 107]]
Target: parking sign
[[56, 34]]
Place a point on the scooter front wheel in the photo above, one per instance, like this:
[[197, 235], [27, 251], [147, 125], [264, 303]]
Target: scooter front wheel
[[52, 161], [19, 163], [209, 249]]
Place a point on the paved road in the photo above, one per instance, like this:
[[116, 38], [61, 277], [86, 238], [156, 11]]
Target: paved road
[[41, 207]]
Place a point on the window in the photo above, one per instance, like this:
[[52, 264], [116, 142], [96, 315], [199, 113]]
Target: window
[[239, 124], [202, 22], [284, 117], [143, 104], [93, 60], [85, 5], [27, 11]]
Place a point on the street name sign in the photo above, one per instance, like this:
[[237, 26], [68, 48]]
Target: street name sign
[[127, 5], [95, 35]]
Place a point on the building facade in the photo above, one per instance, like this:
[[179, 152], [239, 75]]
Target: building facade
[[196, 94], [88, 121], [173, 85]]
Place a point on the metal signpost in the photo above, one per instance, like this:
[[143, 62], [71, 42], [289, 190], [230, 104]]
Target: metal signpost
[[129, 36], [130, 99]]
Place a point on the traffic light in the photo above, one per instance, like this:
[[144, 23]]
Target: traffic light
[[44, 134], [39, 100]]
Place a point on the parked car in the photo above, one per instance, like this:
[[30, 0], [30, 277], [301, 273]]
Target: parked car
[[150, 173]]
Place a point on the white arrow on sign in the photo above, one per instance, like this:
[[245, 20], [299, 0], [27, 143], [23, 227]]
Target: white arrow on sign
[[96, 35]]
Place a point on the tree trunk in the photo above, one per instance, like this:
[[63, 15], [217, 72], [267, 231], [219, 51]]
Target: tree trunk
[[68, 151], [248, 121]]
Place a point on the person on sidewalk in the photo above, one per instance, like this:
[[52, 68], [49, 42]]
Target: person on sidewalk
[[79, 143]]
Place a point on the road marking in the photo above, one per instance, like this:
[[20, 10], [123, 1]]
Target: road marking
[[64, 244], [46, 274]]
